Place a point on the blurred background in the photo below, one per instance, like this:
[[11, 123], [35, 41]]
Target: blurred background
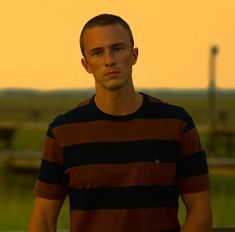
[[186, 58]]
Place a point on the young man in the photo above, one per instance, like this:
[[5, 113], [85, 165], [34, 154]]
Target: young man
[[123, 157]]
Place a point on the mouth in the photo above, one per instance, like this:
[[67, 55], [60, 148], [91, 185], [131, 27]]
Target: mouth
[[111, 73]]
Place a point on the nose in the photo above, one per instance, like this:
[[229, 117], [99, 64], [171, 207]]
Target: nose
[[109, 59]]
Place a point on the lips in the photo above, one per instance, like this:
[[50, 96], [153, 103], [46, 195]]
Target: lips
[[111, 73]]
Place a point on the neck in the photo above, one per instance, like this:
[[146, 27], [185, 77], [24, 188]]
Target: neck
[[118, 103]]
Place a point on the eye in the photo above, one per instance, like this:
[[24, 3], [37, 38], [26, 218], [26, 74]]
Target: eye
[[118, 49], [97, 53]]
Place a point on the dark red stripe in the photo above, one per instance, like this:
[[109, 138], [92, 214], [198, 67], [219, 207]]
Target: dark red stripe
[[137, 220], [194, 184], [134, 130], [190, 142], [118, 175], [50, 191]]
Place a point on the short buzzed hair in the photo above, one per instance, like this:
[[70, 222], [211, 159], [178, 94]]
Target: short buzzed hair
[[104, 20]]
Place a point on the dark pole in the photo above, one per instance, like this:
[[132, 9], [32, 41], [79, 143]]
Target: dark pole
[[212, 99]]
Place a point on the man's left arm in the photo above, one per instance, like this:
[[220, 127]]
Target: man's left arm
[[199, 213]]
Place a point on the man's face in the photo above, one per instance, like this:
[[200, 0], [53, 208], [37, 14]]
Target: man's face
[[109, 56]]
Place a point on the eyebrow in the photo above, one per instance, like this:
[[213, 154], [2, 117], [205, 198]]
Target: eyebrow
[[117, 44], [111, 46]]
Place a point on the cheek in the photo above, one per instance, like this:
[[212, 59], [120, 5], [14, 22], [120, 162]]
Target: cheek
[[128, 61], [94, 66]]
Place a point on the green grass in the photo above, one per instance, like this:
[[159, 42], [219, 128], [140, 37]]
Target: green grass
[[45, 107], [223, 200], [17, 201], [35, 108], [27, 138]]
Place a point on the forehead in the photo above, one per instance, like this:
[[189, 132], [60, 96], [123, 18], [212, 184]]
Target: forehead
[[101, 36]]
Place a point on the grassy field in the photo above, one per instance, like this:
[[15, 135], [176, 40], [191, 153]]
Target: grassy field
[[43, 107], [17, 201]]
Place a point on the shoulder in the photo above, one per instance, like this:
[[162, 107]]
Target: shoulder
[[165, 109], [159, 109], [77, 114]]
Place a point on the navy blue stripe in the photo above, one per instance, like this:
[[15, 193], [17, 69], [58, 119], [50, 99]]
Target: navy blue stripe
[[121, 152], [168, 111], [124, 197], [189, 124], [50, 133], [192, 165], [52, 173], [148, 110]]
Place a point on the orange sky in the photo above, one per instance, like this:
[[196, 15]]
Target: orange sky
[[39, 41]]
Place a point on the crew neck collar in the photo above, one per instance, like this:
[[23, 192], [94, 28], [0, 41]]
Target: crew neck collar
[[119, 117]]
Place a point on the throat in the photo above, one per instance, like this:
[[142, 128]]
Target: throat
[[119, 105]]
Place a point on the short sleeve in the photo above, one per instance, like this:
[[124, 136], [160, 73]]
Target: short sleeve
[[52, 182], [192, 169]]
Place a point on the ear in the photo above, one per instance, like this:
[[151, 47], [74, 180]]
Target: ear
[[135, 55], [85, 65]]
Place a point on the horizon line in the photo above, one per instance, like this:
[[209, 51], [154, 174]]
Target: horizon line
[[93, 89]]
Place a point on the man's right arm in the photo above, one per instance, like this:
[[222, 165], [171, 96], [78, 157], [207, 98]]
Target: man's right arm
[[45, 214]]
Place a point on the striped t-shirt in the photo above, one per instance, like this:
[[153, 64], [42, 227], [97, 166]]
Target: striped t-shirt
[[123, 173]]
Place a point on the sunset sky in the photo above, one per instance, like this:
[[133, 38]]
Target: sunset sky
[[39, 42]]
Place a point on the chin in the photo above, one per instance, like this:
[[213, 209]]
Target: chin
[[116, 85]]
